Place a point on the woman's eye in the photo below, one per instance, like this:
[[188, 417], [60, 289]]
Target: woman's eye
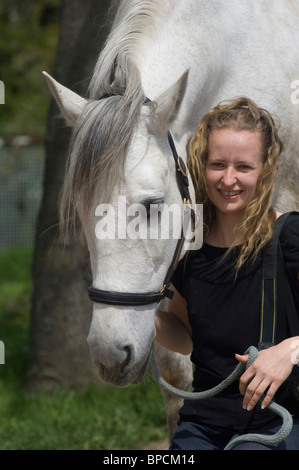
[[216, 165], [244, 167]]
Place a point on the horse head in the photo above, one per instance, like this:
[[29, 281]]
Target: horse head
[[121, 182]]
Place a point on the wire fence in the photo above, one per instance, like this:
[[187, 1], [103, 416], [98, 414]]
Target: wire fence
[[21, 186]]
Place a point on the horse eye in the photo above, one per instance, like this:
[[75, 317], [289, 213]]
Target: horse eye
[[152, 204]]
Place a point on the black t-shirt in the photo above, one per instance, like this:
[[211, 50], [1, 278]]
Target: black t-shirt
[[224, 314]]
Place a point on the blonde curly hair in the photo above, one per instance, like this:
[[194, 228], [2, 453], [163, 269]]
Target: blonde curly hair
[[257, 226]]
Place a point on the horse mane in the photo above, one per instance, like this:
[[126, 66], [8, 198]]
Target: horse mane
[[100, 137], [134, 21]]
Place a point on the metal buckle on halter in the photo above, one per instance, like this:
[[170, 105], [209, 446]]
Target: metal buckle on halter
[[163, 289]]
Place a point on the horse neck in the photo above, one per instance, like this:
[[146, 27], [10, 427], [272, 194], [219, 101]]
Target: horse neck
[[198, 41], [161, 59]]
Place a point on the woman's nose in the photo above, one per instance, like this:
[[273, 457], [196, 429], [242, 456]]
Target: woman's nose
[[229, 177]]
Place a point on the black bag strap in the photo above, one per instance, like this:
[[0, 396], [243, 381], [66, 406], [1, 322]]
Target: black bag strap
[[274, 270], [292, 311]]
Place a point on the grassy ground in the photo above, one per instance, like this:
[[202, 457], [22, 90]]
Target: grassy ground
[[98, 417]]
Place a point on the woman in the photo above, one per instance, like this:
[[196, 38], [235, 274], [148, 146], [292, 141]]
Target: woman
[[215, 311]]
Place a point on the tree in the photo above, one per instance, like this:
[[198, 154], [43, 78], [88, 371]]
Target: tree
[[30, 29], [61, 310]]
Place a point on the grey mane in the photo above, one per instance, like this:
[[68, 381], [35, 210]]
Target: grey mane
[[100, 138], [134, 20]]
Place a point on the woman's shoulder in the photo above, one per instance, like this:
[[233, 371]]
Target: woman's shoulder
[[292, 214], [289, 242], [290, 222], [289, 235]]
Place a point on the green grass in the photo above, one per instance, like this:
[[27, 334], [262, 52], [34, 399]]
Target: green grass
[[97, 417]]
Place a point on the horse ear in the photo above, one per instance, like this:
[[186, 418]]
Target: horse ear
[[168, 104], [70, 104]]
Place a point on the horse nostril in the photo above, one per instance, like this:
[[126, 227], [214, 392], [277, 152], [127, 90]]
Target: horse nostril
[[126, 363]]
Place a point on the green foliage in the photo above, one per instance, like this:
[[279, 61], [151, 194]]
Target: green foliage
[[30, 29], [97, 417]]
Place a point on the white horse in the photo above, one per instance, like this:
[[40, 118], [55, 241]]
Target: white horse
[[185, 56]]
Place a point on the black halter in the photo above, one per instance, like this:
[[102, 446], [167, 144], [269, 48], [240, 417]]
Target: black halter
[[133, 299]]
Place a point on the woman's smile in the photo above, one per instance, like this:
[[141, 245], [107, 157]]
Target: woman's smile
[[229, 194]]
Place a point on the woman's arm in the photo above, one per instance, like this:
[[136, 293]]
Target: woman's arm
[[173, 329]]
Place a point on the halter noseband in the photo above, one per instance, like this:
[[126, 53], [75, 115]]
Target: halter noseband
[[134, 299]]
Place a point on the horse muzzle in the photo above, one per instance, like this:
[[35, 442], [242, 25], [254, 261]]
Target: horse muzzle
[[120, 344], [122, 375]]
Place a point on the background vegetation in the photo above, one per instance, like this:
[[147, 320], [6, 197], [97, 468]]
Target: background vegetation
[[29, 34], [95, 417]]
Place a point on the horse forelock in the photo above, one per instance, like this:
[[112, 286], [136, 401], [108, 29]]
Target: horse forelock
[[98, 146], [97, 151]]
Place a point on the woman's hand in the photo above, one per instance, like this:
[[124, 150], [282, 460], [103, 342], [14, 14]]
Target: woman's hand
[[266, 374]]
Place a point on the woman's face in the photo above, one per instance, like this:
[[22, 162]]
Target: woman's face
[[234, 163]]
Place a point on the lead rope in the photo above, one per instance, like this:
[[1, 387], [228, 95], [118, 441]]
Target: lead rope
[[287, 420]]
